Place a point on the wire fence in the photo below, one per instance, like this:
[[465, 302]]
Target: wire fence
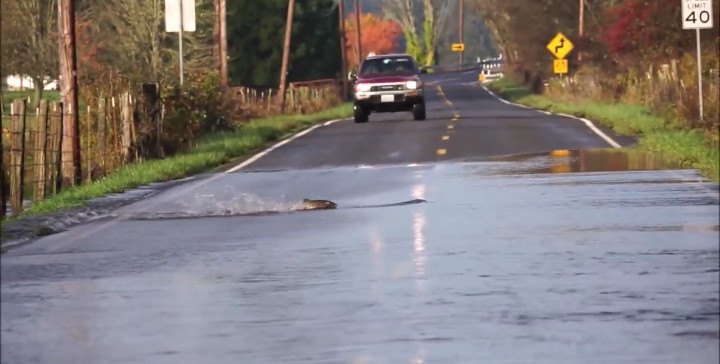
[[43, 154]]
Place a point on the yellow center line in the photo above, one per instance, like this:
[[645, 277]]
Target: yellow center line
[[441, 151], [445, 137], [450, 126]]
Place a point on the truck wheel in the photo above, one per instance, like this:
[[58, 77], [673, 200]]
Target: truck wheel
[[419, 111], [359, 114]]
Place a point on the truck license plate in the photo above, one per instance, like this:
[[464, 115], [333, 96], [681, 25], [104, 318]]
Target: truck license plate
[[387, 98]]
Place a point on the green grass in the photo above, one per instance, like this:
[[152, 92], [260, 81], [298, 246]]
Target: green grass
[[683, 146], [9, 96], [212, 151]]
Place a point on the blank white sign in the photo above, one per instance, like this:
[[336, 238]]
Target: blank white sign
[[172, 15]]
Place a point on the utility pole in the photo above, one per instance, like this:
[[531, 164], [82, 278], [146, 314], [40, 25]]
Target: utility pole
[[70, 159], [460, 32], [216, 37], [580, 28], [343, 55], [223, 45], [357, 34], [286, 53]]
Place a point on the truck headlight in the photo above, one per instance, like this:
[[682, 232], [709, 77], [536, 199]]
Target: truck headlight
[[411, 85], [362, 87]]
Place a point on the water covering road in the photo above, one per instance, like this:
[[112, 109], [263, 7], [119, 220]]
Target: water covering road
[[548, 257]]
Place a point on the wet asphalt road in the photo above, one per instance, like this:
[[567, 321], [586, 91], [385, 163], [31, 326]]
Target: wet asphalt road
[[508, 261]]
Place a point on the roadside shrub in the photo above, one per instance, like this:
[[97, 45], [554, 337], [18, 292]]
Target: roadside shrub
[[198, 108]]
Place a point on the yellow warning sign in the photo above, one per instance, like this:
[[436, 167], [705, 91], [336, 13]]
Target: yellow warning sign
[[560, 46], [560, 65]]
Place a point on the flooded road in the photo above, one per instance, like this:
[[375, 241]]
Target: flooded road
[[497, 266], [534, 244]]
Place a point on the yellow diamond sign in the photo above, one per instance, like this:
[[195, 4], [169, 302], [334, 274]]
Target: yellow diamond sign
[[560, 46]]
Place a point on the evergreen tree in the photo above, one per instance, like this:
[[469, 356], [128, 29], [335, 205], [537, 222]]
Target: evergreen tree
[[255, 36]]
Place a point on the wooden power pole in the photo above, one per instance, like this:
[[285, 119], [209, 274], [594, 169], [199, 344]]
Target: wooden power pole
[[357, 35], [343, 55], [460, 32], [71, 172], [580, 27], [220, 41], [286, 53]]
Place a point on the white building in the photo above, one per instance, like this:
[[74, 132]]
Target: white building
[[19, 83]]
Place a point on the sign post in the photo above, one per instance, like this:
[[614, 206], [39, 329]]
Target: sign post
[[180, 17], [697, 14]]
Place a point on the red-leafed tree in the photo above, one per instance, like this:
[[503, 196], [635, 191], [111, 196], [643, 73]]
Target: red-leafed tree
[[377, 35], [647, 29]]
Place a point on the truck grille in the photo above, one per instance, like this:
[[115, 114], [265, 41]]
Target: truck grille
[[386, 88]]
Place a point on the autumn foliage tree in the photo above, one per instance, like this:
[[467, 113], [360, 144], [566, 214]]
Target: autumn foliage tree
[[645, 29], [377, 35]]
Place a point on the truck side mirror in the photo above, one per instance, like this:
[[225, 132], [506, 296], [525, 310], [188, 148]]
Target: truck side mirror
[[352, 76]]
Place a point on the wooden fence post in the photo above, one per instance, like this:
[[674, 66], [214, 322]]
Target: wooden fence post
[[51, 155], [40, 151], [88, 145], [18, 113], [102, 123], [126, 121], [4, 183], [60, 130]]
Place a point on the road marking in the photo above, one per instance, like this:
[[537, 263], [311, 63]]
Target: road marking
[[181, 190], [445, 137], [442, 95], [559, 152], [454, 119], [278, 145], [450, 126], [587, 122], [592, 127], [441, 151]]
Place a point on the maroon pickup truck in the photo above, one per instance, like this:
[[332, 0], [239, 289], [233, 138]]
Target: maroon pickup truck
[[388, 83]]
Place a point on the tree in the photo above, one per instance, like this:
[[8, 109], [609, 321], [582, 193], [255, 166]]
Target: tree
[[521, 29], [421, 27], [645, 29], [29, 41], [378, 35], [255, 47], [141, 50]]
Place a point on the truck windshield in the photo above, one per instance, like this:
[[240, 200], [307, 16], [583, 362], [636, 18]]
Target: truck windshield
[[389, 65]]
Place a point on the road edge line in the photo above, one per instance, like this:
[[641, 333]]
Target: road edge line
[[587, 122], [279, 144], [182, 189], [597, 131]]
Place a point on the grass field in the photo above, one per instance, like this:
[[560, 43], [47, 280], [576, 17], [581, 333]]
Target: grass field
[[691, 148], [9, 96]]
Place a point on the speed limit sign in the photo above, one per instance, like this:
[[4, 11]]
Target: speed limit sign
[[697, 14]]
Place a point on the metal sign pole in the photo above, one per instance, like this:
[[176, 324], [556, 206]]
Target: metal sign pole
[[699, 74], [180, 43]]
